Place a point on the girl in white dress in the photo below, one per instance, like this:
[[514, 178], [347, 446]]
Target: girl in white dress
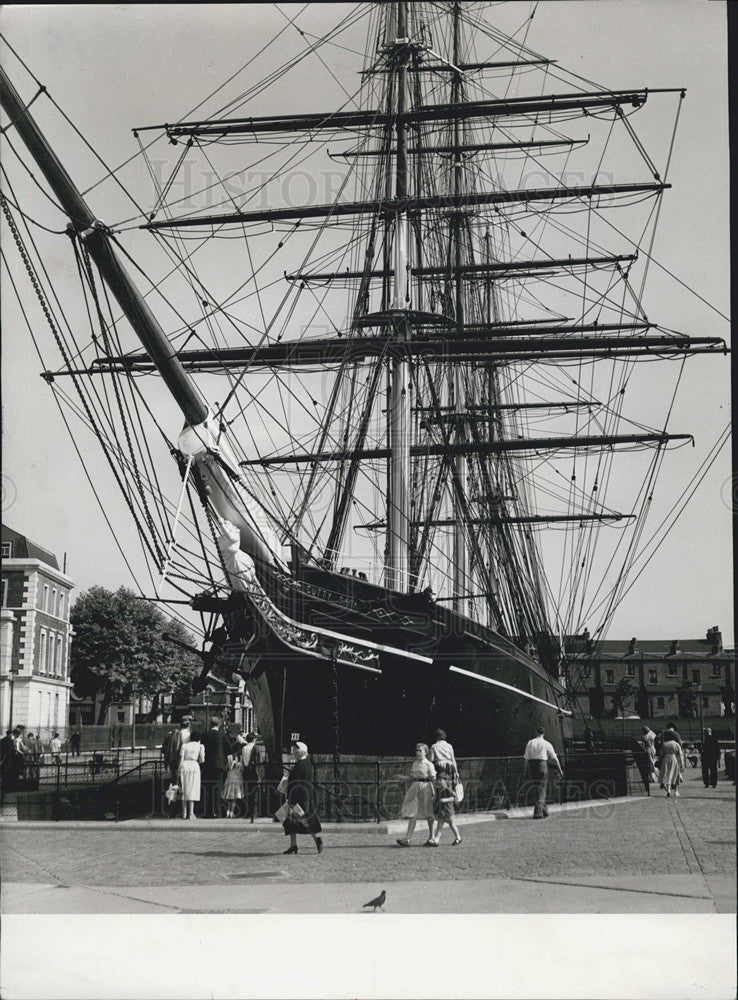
[[233, 786], [191, 756], [418, 801]]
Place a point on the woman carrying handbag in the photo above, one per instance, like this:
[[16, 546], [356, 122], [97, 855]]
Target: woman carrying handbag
[[302, 816]]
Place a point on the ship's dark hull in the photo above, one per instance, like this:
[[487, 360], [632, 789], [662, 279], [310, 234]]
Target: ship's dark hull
[[355, 669], [390, 713]]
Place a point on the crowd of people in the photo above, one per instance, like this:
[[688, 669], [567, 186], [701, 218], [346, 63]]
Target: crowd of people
[[21, 757], [213, 765], [667, 758]]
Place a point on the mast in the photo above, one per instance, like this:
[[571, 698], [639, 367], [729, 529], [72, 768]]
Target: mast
[[398, 535], [216, 466], [460, 556], [98, 243]]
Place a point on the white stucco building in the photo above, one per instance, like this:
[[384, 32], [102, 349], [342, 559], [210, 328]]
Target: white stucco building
[[36, 637]]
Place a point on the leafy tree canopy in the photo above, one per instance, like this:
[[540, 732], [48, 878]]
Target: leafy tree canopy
[[623, 692], [119, 648]]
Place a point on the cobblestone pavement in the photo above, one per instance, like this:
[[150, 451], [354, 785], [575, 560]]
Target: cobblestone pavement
[[690, 835]]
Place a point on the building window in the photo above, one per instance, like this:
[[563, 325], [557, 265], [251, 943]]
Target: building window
[[7, 550], [60, 611], [659, 703], [672, 670], [716, 669], [630, 669], [45, 598], [652, 677], [42, 651], [609, 676], [59, 656], [5, 593], [50, 651], [705, 701], [56, 710], [696, 677]]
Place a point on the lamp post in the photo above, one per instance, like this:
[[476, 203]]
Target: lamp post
[[14, 671], [133, 719]]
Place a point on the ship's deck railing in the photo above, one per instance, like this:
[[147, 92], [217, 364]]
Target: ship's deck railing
[[374, 572]]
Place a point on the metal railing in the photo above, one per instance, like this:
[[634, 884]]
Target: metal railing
[[127, 785], [374, 790], [95, 738]]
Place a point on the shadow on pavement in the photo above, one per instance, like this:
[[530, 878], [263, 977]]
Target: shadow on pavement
[[229, 854]]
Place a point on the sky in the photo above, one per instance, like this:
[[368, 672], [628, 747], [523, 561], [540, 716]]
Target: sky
[[115, 67]]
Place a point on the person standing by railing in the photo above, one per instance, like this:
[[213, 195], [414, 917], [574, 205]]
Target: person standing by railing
[[22, 753], [7, 756], [649, 742], [250, 775], [172, 745], [233, 786], [710, 757], [191, 756], [217, 748], [538, 753], [34, 757], [55, 748]]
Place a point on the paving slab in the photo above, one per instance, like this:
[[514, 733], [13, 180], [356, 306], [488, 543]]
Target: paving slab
[[611, 856], [681, 894]]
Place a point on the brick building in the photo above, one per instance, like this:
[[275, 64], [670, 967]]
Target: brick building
[[36, 636], [670, 678]]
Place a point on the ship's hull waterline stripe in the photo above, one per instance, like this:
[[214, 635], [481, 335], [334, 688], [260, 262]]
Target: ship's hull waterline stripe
[[509, 687]]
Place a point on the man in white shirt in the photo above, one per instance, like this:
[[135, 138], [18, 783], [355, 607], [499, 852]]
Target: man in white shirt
[[537, 754], [55, 747]]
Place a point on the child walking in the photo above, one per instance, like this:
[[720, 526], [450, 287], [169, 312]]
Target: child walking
[[444, 803]]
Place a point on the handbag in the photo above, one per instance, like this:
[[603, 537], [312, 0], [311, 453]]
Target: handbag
[[172, 793], [282, 786], [286, 810], [458, 793]]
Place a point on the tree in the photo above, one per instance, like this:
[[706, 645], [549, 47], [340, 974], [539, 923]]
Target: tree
[[687, 701], [119, 649], [623, 692]]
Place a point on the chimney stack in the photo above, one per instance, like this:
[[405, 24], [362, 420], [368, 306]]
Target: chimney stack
[[715, 638]]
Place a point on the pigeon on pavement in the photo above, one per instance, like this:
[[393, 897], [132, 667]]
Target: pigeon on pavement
[[377, 903]]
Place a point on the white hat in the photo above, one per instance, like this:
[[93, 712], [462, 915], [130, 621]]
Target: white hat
[[301, 748]]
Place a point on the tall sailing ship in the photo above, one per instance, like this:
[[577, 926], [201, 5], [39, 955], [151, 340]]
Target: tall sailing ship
[[434, 378]]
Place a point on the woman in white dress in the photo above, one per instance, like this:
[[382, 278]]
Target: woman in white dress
[[418, 801], [671, 767], [191, 756]]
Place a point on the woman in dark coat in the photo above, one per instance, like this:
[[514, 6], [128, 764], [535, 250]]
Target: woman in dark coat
[[301, 792]]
